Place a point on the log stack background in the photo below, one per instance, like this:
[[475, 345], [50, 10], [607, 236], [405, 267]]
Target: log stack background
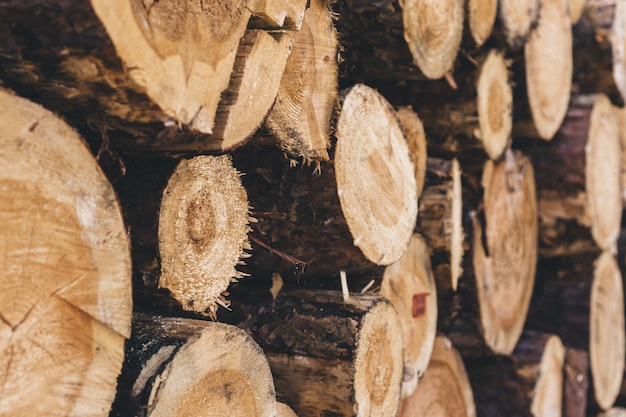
[[279, 208]]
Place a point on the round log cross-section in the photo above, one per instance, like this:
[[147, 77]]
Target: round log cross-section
[[505, 250], [65, 303], [518, 19]]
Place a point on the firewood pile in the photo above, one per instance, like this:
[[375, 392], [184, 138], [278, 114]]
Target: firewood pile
[[312, 208]]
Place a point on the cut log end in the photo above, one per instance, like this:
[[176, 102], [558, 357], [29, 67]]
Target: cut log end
[[494, 104], [375, 176], [410, 286], [550, 44], [416, 139], [203, 231], [576, 9], [445, 389], [433, 32], [548, 389], [606, 330], [284, 410], [481, 17], [505, 250], [65, 304], [603, 170], [518, 17]]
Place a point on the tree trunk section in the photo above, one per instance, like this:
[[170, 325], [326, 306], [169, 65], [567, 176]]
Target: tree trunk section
[[481, 16], [445, 390], [529, 383], [189, 228], [331, 356], [518, 19], [416, 139], [301, 115], [185, 367], [410, 40], [579, 180], [66, 270]]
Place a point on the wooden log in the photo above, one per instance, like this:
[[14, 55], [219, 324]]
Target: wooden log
[[177, 366], [416, 139], [300, 118], [65, 304], [549, 46], [576, 10], [402, 37], [614, 412], [481, 16], [440, 220], [189, 228], [530, 383], [277, 14], [284, 410], [579, 180], [618, 48], [505, 250], [331, 356], [518, 19], [445, 389], [587, 314], [576, 382], [359, 212]]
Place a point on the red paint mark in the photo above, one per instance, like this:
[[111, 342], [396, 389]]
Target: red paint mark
[[419, 304]]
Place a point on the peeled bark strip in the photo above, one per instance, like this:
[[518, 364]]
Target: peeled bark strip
[[549, 46], [416, 138], [330, 356], [530, 383], [519, 18], [254, 84], [189, 227], [401, 37], [185, 367], [579, 180], [445, 390], [300, 117], [481, 15], [66, 272], [505, 250], [440, 220], [410, 286]]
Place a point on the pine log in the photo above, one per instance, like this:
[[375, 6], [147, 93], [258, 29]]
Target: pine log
[[548, 57], [300, 118], [284, 410], [614, 412], [329, 356], [445, 390], [416, 139], [187, 367], [358, 212], [405, 40], [529, 383], [519, 19], [440, 220], [505, 250], [587, 312], [576, 10], [576, 382], [481, 16], [189, 227], [277, 14], [65, 303], [579, 180]]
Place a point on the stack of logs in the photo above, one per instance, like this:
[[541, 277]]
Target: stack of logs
[[377, 208]]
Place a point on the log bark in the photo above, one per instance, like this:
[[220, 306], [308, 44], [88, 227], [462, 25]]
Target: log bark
[[66, 272], [301, 115], [331, 356], [357, 213], [529, 383], [587, 314], [549, 46], [411, 39], [445, 389], [518, 19], [177, 366], [189, 224], [440, 220], [578, 180]]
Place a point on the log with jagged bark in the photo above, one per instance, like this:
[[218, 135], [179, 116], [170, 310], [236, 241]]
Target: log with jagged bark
[[300, 118], [528, 383], [330, 355], [405, 40], [358, 212], [445, 390], [579, 180], [161, 75], [186, 367], [189, 223], [65, 298]]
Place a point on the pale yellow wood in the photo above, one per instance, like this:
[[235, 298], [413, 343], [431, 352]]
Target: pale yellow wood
[[576, 9], [65, 304], [284, 410], [548, 389], [518, 18], [416, 138], [481, 15]]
